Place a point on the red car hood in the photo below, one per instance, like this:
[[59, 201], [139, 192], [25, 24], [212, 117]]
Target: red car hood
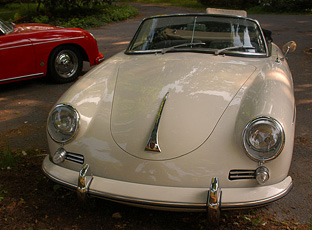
[[28, 27]]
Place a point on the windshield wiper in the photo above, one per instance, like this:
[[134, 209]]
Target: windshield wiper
[[165, 50], [234, 48]]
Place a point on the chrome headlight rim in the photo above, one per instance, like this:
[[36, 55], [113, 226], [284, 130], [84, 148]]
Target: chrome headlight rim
[[251, 151], [76, 128]]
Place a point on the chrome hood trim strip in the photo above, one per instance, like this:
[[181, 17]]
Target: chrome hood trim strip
[[152, 144]]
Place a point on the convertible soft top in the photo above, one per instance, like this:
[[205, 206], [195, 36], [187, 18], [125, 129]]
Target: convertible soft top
[[241, 13]]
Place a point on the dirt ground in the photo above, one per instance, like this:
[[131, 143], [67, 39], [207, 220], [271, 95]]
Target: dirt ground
[[28, 200]]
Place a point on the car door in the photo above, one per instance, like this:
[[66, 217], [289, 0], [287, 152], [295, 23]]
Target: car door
[[17, 58]]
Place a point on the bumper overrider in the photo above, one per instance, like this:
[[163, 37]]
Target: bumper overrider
[[99, 59], [165, 197]]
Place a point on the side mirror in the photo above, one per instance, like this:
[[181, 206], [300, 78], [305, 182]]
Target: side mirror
[[289, 47]]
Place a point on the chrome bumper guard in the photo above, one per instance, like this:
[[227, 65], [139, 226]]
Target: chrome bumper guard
[[212, 206], [214, 201], [84, 180], [189, 199]]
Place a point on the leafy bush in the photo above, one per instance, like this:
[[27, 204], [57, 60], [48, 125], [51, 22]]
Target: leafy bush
[[41, 19], [83, 18], [27, 9], [14, 11], [266, 5], [7, 16], [286, 5], [72, 4], [13, 6]]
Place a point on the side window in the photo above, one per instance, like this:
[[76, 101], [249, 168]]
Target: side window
[[268, 35], [268, 38]]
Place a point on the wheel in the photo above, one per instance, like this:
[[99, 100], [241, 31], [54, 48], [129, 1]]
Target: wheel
[[65, 64]]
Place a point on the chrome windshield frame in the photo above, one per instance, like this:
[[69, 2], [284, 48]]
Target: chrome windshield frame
[[9, 26]]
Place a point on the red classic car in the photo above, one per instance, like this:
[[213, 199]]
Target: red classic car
[[35, 50]]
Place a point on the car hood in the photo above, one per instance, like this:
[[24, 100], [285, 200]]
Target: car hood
[[32, 27], [200, 88]]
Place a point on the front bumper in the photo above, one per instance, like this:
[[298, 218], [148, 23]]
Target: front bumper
[[164, 197], [99, 59]]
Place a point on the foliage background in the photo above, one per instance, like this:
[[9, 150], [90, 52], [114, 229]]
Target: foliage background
[[94, 13], [280, 6], [70, 13]]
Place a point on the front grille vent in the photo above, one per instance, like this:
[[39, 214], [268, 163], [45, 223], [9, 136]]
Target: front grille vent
[[75, 158], [242, 174]]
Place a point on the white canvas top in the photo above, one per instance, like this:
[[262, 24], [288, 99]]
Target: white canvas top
[[242, 13]]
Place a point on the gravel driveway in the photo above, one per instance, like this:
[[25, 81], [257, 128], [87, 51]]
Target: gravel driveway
[[24, 106]]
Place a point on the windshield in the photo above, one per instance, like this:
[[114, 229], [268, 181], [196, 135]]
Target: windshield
[[5, 27], [210, 33]]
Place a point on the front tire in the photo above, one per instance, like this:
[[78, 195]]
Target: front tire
[[65, 64]]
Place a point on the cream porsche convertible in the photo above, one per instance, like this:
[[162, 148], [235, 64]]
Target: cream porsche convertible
[[197, 114]]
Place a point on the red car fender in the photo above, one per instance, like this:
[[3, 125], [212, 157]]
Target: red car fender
[[25, 52], [45, 43]]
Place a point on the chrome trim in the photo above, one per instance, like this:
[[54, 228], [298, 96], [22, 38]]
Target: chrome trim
[[148, 203], [214, 201], [262, 171], [258, 202], [77, 128], [66, 63], [84, 181], [12, 47], [195, 207], [101, 59], [21, 77], [61, 152], [152, 144], [77, 158], [6, 27], [263, 118], [295, 114], [127, 51], [242, 174], [188, 206], [59, 40], [40, 43], [169, 205], [2, 31]]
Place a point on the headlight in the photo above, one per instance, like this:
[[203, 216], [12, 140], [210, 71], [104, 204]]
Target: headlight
[[263, 139], [63, 123]]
